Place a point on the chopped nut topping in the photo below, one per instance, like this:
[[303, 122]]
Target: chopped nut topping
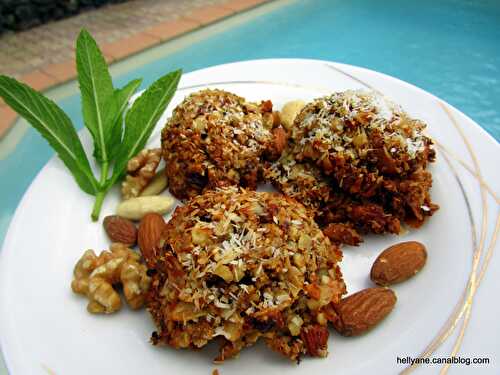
[[359, 160], [215, 139], [237, 267]]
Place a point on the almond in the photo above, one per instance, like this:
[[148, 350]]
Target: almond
[[316, 339], [280, 139], [120, 230], [150, 230], [361, 311], [398, 263]]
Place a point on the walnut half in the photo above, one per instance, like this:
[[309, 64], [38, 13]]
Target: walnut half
[[97, 276], [140, 171]]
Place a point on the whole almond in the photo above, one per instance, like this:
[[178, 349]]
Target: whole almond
[[398, 263], [120, 230], [280, 140], [315, 338], [150, 231], [361, 311]]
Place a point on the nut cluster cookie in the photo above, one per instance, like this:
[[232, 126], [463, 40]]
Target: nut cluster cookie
[[215, 139], [360, 161], [238, 265]]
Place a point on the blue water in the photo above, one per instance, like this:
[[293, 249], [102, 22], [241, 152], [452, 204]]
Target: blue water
[[450, 48]]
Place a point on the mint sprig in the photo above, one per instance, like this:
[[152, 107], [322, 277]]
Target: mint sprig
[[121, 100], [140, 121], [104, 108], [97, 92], [54, 125], [142, 118]]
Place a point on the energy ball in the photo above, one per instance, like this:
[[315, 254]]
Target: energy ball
[[359, 138], [360, 160], [215, 139], [238, 265]]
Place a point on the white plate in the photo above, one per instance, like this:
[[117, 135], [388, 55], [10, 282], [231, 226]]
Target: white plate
[[45, 328]]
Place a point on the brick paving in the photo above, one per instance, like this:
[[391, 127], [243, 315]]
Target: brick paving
[[26, 51], [43, 57]]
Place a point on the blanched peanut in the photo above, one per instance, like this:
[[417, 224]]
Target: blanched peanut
[[136, 208], [289, 111], [157, 184]]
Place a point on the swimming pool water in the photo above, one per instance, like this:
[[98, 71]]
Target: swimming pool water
[[450, 48]]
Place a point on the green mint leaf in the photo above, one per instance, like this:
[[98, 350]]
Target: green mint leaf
[[54, 125], [121, 99], [97, 92], [142, 118]]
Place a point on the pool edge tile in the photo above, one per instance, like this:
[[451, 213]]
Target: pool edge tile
[[167, 30], [62, 72], [243, 5], [209, 14], [129, 46], [38, 80]]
